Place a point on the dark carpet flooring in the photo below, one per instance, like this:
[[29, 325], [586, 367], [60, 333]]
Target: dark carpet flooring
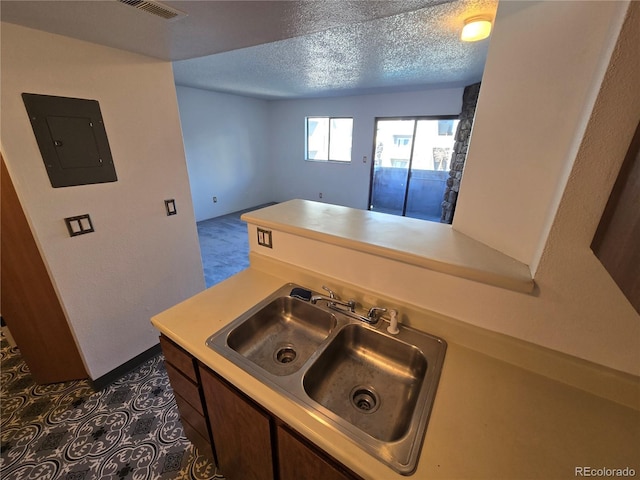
[[224, 246]]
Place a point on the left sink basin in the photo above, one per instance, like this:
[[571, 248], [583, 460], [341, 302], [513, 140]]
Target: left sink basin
[[281, 336]]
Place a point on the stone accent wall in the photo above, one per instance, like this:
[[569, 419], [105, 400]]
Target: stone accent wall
[[459, 155]]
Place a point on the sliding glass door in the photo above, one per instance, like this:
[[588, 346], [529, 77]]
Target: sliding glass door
[[411, 165]]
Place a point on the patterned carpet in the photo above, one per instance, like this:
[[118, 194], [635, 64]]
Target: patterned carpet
[[129, 430]]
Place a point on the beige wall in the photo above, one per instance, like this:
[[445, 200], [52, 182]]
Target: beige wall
[[138, 261], [576, 309], [542, 75]]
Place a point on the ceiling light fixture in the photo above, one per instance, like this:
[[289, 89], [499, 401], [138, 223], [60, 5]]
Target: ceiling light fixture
[[476, 28]]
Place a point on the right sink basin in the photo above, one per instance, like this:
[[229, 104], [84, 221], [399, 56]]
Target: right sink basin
[[370, 380]]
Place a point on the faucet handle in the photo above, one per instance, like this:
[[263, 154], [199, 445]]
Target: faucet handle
[[332, 294], [375, 312], [352, 305]]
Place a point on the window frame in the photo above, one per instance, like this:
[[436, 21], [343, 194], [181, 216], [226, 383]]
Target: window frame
[[306, 139]]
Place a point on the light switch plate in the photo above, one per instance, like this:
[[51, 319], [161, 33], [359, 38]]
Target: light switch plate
[[79, 225]]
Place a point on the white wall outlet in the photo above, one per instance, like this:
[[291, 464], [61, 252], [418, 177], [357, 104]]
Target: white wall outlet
[[215, 199], [170, 207], [264, 238], [320, 195]]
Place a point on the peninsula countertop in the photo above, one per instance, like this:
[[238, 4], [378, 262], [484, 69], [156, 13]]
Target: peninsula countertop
[[490, 419], [397, 238]]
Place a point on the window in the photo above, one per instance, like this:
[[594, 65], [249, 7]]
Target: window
[[329, 139], [412, 158]]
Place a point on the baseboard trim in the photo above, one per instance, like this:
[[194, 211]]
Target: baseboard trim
[[110, 377]]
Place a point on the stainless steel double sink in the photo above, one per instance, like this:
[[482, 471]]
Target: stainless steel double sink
[[374, 387]]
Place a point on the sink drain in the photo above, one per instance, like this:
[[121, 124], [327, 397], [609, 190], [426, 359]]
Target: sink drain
[[285, 355], [365, 399]]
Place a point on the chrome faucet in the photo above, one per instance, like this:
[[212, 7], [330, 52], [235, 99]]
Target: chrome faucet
[[334, 302]]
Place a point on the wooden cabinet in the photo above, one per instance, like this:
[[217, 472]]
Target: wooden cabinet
[[184, 377], [617, 240], [242, 430], [252, 444], [29, 301], [297, 460]]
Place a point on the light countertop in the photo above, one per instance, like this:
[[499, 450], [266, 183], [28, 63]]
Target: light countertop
[[397, 238], [490, 419]]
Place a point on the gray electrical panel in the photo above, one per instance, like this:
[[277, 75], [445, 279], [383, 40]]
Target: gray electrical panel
[[72, 139]]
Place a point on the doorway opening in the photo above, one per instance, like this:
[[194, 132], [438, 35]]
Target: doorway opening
[[412, 159]]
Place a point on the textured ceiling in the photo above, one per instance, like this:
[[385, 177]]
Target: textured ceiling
[[405, 51], [283, 49]]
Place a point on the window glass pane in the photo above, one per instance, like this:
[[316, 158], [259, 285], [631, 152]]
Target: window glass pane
[[429, 169], [391, 165], [393, 143], [340, 139], [446, 127], [432, 150], [329, 138], [317, 138]]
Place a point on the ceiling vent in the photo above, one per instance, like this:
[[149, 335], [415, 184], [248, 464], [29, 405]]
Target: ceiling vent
[[155, 8]]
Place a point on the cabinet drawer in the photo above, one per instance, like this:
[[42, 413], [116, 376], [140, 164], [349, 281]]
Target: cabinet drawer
[[184, 387], [192, 416], [177, 357], [200, 442]]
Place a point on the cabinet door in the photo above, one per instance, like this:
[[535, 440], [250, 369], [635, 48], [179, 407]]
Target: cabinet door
[[298, 461], [241, 432]]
